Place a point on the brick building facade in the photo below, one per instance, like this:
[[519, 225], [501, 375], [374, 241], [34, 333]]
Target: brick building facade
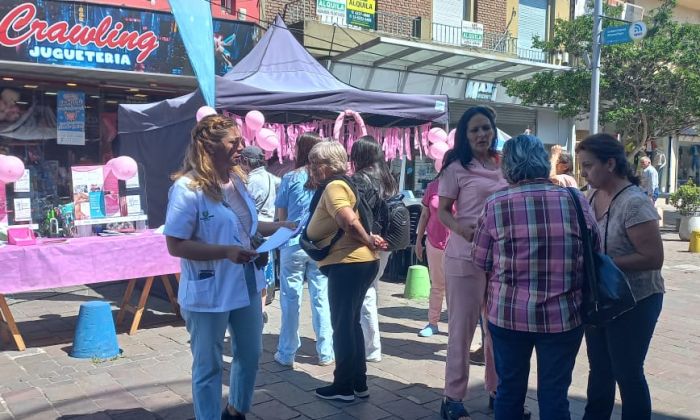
[[491, 13]]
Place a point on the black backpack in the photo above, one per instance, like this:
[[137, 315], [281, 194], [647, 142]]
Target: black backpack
[[390, 218], [315, 252]]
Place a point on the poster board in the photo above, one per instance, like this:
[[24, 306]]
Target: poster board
[[100, 198]]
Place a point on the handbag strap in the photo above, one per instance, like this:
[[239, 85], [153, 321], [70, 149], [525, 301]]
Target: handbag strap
[[588, 260], [607, 216]]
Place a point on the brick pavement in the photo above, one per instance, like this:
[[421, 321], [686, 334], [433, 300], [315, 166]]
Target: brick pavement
[[151, 380]]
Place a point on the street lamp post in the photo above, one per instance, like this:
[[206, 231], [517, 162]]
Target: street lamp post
[[595, 65]]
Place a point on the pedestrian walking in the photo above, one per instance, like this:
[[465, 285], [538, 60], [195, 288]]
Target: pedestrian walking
[[529, 241], [629, 225], [293, 199]]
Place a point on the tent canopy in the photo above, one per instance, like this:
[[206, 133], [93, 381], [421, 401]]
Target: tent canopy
[[281, 79], [277, 77]]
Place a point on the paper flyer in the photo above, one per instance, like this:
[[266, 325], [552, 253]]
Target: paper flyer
[[23, 185], [23, 209]]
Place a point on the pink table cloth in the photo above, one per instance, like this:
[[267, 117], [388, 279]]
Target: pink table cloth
[[87, 260]]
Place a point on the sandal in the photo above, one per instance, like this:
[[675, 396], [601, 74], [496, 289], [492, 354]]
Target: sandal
[[453, 410]]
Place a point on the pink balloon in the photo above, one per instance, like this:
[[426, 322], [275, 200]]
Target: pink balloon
[[11, 169], [123, 167], [438, 166], [437, 135], [254, 120], [438, 150], [267, 139], [451, 138], [205, 111]]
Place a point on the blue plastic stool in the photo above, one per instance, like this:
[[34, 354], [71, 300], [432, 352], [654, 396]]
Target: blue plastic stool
[[95, 335]]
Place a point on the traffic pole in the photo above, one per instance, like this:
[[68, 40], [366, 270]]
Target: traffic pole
[[595, 66]]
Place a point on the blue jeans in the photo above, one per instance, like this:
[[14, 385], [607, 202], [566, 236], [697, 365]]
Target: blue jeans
[[616, 353], [295, 266], [556, 355], [207, 331]]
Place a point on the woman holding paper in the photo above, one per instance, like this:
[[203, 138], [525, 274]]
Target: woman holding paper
[[293, 199], [210, 222]]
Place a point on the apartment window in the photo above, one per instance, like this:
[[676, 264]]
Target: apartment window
[[469, 10], [228, 5]]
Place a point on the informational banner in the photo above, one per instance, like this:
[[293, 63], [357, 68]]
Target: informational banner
[[362, 13], [331, 11], [472, 34], [70, 118], [114, 38], [194, 19]]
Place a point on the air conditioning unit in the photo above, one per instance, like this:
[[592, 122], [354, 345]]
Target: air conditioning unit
[[632, 12]]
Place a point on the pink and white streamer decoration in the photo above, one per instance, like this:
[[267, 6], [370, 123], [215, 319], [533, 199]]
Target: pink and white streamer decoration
[[351, 129], [395, 141]]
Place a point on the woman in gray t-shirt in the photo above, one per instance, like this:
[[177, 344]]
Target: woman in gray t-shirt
[[629, 226]]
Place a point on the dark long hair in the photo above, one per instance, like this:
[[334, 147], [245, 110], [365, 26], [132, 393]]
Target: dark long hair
[[462, 151], [304, 144], [368, 159], [604, 146]]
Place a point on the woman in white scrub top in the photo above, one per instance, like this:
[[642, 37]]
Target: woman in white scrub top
[[210, 221]]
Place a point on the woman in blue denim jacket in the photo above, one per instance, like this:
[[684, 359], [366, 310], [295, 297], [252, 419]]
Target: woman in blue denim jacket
[[209, 224], [292, 202]]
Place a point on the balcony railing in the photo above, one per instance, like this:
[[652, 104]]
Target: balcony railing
[[414, 28]]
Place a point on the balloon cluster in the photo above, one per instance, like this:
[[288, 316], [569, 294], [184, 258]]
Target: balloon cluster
[[264, 137], [11, 169], [123, 167], [440, 143], [254, 121]]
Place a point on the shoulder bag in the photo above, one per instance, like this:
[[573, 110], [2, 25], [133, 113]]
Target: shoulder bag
[[606, 292]]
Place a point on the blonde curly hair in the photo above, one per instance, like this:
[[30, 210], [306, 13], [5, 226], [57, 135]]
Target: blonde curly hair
[[198, 164]]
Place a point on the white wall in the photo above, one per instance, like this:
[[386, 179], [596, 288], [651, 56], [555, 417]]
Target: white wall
[[551, 129]]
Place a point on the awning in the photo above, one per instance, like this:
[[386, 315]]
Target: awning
[[441, 60]]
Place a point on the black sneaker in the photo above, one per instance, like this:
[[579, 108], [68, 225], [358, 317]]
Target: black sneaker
[[331, 392], [362, 392]]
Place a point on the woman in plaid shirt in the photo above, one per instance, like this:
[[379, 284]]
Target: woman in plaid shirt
[[528, 241]]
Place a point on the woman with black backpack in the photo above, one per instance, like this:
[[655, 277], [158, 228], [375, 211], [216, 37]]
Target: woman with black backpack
[[348, 256], [371, 171]]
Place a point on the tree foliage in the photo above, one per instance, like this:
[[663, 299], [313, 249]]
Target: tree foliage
[[649, 88]]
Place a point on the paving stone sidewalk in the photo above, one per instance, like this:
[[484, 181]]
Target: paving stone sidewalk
[[151, 380]]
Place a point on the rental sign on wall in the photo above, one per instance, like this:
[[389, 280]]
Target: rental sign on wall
[[358, 13], [92, 36]]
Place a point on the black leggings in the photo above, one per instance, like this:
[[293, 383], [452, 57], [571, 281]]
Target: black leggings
[[347, 286]]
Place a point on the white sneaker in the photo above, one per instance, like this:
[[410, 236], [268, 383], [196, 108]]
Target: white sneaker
[[375, 359]]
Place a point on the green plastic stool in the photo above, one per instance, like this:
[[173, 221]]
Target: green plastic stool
[[417, 283]]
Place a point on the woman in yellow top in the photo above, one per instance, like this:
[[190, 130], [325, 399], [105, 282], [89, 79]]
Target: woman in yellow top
[[350, 267]]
